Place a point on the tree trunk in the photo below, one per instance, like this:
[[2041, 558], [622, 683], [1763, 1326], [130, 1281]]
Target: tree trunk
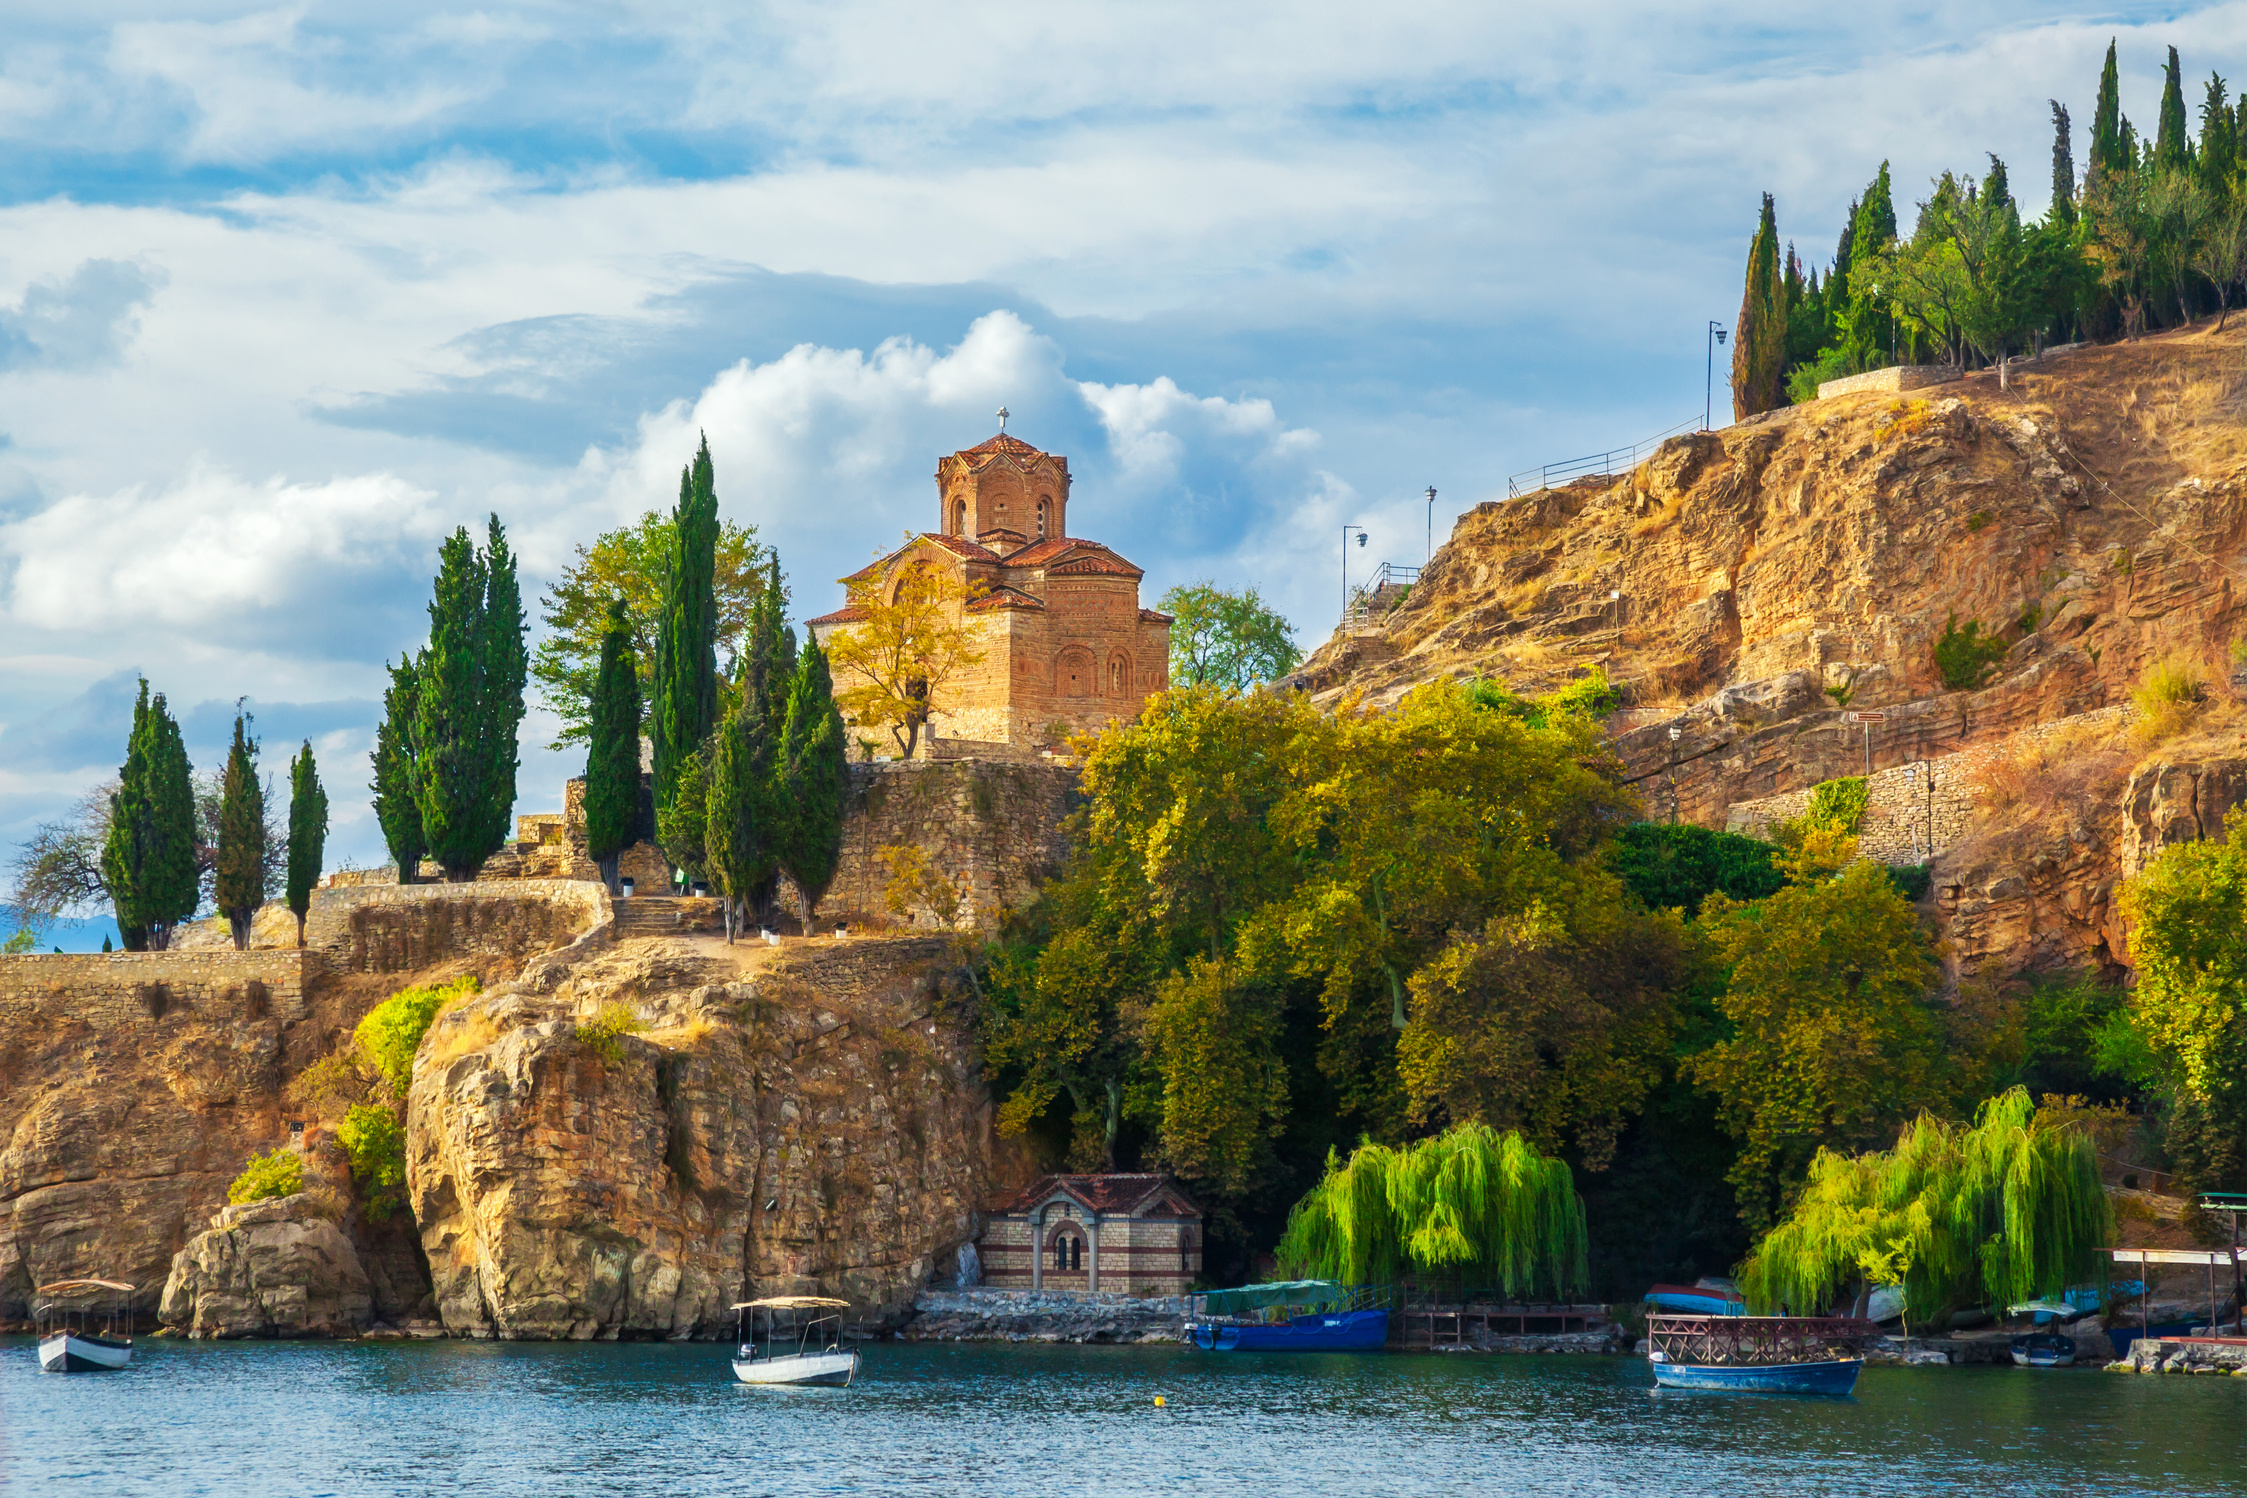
[[608, 871], [238, 921], [300, 930]]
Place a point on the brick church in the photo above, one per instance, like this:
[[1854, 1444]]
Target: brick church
[[1066, 646]]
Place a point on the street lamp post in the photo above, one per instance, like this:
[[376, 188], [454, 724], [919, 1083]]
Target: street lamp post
[[1717, 335], [1431, 522], [1346, 565], [1675, 735]]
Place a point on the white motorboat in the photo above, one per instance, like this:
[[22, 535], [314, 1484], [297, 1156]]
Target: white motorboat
[[800, 1350], [68, 1339]]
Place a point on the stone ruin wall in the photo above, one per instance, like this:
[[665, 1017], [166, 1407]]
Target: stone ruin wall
[[1898, 805], [393, 928], [994, 827], [122, 990]]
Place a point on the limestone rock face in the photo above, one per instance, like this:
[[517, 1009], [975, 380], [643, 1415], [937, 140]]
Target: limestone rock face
[[794, 1130], [2169, 801], [274, 1268]]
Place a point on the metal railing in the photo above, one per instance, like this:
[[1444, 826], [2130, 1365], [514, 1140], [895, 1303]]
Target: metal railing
[[1597, 465], [1383, 592]]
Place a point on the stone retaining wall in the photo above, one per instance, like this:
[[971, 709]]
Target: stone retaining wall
[[388, 928], [114, 990], [1899, 808], [1895, 378], [994, 828], [1020, 1316]]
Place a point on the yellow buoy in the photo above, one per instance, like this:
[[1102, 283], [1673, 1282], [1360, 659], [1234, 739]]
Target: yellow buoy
[[1158, 1401]]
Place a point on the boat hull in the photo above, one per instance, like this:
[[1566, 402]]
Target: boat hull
[[825, 1369], [1340, 1331], [1835, 1377], [68, 1352]]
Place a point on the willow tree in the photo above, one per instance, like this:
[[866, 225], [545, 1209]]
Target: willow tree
[[1470, 1204], [2007, 1210]]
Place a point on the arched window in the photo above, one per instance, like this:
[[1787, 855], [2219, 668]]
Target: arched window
[[959, 517], [1045, 513], [1073, 674], [1119, 675]]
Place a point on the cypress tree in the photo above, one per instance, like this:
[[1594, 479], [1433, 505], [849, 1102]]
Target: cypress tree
[[308, 834], [814, 755], [2063, 167], [504, 672], [240, 886], [612, 761], [148, 860], [1759, 346], [684, 705], [1837, 284], [2172, 146], [449, 780], [395, 807], [1995, 188], [2106, 124], [2219, 144]]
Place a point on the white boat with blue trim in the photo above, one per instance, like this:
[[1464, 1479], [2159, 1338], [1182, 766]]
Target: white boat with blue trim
[[75, 1337], [794, 1348]]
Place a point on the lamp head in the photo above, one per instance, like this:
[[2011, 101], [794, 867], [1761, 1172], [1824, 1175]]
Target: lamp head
[[1721, 335], [1361, 538]]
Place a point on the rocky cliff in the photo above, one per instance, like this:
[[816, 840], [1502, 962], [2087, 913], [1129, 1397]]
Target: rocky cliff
[[628, 1140], [1745, 588]]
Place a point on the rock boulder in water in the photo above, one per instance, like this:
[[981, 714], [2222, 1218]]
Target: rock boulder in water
[[274, 1268]]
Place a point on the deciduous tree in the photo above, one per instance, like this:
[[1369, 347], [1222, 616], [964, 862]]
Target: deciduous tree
[[907, 640], [1226, 639]]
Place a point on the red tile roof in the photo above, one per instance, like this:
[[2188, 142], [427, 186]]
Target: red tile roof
[[1002, 443], [1004, 597], [959, 546], [1044, 551], [1103, 563], [1156, 616], [1102, 1193], [848, 614]]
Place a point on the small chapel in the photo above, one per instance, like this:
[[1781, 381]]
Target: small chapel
[[1066, 647], [1125, 1233]]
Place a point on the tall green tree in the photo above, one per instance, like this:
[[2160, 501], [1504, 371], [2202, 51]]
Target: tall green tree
[[684, 704], [1865, 324], [744, 834], [308, 834], [612, 762], [814, 759], [1759, 340], [2062, 210], [469, 703], [1226, 639], [2109, 154], [240, 887], [2219, 144], [396, 809], [506, 668], [2172, 147], [148, 858], [629, 563]]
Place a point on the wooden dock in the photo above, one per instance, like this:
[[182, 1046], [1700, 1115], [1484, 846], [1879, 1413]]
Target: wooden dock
[[1431, 1328]]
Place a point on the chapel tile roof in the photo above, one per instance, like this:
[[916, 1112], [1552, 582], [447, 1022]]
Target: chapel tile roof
[[1004, 597], [959, 546], [1002, 443], [1109, 1192], [1068, 555], [848, 614], [1102, 563], [1156, 616]]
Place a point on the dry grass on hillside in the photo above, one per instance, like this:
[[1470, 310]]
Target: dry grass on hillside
[[2144, 414], [2048, 777]]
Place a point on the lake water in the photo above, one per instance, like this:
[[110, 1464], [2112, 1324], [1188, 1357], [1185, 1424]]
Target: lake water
[[557, 1421]]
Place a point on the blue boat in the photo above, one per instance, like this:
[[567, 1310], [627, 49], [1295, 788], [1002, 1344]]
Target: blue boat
[[1827, 1376], [1291, 1316], [1758, 1354], [1696, 1300]]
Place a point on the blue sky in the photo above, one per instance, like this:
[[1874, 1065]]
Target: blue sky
[[288, 293]]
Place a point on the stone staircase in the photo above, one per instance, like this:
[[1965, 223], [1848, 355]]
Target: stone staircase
[[665, 915]]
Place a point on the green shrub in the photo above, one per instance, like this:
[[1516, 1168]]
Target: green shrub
[[278, 1172], [1965, 658], [2167, 698], [1979, 521], [1911, 880], [1590, 695], [1679, 867], [392, 1030], [603, 1033], [1839, 804], [1832, 363], [375, 1143]]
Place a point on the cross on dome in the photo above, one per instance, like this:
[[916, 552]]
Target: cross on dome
[[1003, 413]]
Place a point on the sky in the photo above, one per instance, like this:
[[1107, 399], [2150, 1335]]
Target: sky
[[287, 294]]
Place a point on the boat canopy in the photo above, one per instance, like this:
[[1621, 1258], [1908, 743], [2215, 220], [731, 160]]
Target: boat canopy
[[2048, 1307], [70, 1287], [1309, 1293], [790, 1303]]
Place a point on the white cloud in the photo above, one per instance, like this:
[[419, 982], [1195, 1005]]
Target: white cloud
[[209, 549]]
